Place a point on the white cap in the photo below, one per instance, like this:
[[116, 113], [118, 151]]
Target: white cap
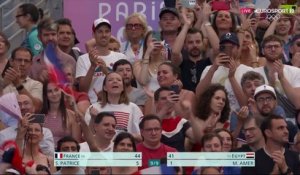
[[99, 21], [264, 88]]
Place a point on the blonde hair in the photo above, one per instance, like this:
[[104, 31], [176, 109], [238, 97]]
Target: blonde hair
[[143, 21]]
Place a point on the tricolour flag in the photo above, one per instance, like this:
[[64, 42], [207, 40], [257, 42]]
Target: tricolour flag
[[59, 155], [250, 155]]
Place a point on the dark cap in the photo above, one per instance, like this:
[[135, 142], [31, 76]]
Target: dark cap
[[229, 37], [169, 10]]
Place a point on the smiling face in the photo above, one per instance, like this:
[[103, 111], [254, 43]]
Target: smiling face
[[102, 35], [169, 22], [134, 28], [113, 84], [165, 75], [226, 139], [124, 145], [106, 128], [252, 132], [283, 26], [223, 20]]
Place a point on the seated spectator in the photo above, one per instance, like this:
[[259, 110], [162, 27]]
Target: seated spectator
[[68, 144], [114, 99], [151, 147], [99, 135], [10, 133], [227, 139], [124, 142], [16, 77], [29, 135], [59, 119], [295, 51], [275, 157]]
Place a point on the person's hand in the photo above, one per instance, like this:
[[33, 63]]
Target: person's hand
[[235, 7], [232, 68], [252, 106], [263, 23], [243, 113], [278, 68], [12, 76], [185, 19], [24, 124], [206, 11], [93, 56], [211, 121], [150, 46], [222, 59], [279, 159], [148, 92]]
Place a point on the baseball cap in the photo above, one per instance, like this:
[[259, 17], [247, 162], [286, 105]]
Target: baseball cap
[[100, 21], [229, 37], [169, 10], [264, 88]]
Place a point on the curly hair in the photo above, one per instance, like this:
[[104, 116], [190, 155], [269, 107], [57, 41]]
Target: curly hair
[[204, 102]]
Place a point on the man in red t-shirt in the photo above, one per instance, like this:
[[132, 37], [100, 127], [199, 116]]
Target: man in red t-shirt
[[151, 147]]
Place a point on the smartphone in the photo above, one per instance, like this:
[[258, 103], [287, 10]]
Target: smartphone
[[38, 118], [188, 3], [156, 35], [175, 88], [220, 5]]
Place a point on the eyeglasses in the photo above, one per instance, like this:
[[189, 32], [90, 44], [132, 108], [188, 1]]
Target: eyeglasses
[[135, 26], [18, 16], [263, 100], [269, 47], [150, 130]]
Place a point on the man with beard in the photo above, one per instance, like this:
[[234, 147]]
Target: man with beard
[[92, 67], [284, 78], [276, 159], [190, 60], [135, 95]]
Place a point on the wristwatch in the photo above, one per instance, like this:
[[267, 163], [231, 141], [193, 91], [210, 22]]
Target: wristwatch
[[20, 87]]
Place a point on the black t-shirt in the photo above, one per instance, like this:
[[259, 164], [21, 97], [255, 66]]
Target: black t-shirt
[[191, 72], [264, 164]]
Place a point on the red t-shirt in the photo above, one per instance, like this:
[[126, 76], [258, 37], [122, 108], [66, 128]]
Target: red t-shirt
[[148, 154]]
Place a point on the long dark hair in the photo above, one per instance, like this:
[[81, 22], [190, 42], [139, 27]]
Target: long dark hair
[[234, 20], [203, 105], [62, 106]]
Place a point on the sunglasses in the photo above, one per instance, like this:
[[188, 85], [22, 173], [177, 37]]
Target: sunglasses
[[136, 26]]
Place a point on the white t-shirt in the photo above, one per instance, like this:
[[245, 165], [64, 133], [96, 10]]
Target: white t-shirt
[[127, 50], [128, 116], [83, 65], [84, 147], [221, 76], [291, 73]]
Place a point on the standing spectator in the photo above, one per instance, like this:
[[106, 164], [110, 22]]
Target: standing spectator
[[275, 157], [66, 38], [92, 67], [225, 69], [47, 30], [151, 147], [135, 31], [27, 18], [135, 95], [284, 78], [17, 80]]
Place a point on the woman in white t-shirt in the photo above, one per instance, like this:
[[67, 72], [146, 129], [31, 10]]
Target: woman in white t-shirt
[[114, 99]]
